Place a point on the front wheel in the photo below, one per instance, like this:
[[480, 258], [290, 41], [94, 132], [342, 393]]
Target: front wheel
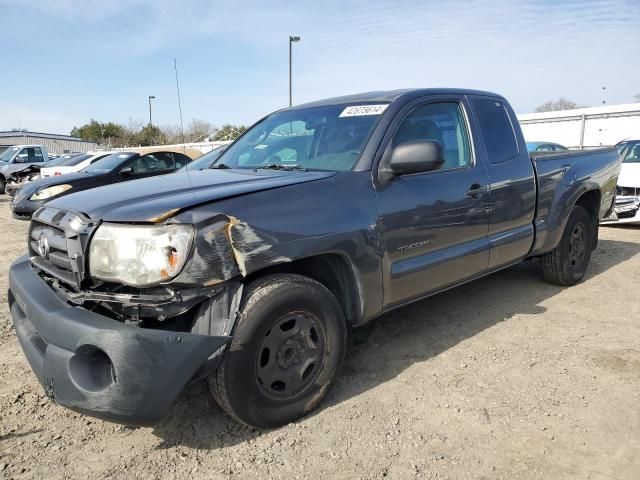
[[3, 184], [567, 263], [287, 346]]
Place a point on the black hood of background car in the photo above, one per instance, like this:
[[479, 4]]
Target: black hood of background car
[[148, 199], [69, 178]]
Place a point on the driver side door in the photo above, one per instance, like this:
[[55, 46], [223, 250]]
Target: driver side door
[[434, 225]]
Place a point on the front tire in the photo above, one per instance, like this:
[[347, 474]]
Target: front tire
[[288, 343], [567, 263], [3, 184]]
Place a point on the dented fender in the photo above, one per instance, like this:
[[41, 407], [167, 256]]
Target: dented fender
[[224, 249]]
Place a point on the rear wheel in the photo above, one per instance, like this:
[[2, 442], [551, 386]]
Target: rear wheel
[[287, 346], [2, 184], [567, 263]]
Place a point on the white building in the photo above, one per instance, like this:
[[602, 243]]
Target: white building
[[591, 127]]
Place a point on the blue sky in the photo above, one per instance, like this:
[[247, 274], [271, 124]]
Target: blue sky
[[66, 61]]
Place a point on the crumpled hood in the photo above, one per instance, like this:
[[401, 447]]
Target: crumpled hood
[[150, 199], [629, 175]]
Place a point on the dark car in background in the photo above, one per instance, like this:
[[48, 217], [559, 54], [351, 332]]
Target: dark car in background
[[115, 168]]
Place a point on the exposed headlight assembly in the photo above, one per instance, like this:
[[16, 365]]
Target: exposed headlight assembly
[[50, 192], [139, 255]]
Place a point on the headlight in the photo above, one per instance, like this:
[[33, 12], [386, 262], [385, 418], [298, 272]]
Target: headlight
[[50, 192], [139, 255]]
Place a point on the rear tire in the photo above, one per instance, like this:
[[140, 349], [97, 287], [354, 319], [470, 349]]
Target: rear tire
[[288, 343], [567, 263], [2, 185]]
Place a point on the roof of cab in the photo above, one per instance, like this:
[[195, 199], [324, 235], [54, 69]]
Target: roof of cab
[[393, 95]]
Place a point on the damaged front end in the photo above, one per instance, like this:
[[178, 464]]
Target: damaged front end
[[209, 284], [120, 352], [17, 179]]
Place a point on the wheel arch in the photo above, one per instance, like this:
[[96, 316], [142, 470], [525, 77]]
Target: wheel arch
[[331, 269]]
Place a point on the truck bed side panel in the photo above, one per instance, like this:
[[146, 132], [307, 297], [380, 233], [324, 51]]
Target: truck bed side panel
[[562, 179]]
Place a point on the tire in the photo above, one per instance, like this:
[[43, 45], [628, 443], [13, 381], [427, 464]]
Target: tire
[[567, 263], [2, 184], [288, 343]]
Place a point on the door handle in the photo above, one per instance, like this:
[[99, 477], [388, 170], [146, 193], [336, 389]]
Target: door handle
[[476, 190]]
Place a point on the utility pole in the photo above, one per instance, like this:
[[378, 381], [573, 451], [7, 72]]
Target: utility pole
[[151, 97], [292, 40]]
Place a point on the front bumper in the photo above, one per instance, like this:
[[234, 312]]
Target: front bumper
[[22, 208], [96, 365], [626, 210]]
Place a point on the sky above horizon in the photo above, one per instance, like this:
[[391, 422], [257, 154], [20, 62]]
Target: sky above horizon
[[66, 61]]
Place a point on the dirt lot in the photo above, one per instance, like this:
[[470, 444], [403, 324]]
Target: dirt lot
[[507, 377]]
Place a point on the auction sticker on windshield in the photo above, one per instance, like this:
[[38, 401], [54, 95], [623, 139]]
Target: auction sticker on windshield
[[359, 110]]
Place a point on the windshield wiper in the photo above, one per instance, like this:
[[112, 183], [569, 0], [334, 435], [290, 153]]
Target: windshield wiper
[[278, 166], [220, 166]]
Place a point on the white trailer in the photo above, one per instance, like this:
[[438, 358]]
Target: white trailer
[[583, 128]]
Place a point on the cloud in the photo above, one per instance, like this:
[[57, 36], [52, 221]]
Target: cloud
[[528, 50]]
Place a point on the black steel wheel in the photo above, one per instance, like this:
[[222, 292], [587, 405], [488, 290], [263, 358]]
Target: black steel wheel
[[290, 355], [567, 263], [288, 343]]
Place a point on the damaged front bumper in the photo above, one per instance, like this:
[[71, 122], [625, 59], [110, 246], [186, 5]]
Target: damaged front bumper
[[99, 366], [626, 210]]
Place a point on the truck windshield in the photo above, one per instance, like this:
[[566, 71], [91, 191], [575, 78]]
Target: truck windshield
[[7, 154], [327, 137], [631, 152]]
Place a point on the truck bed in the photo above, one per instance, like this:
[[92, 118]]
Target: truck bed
[[561, 178]]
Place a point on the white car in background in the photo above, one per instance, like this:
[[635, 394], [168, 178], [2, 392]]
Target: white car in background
[[627, 209], [73, 164]]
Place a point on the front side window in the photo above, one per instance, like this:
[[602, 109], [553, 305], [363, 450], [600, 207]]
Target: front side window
[[329, 137], [631, 153], [152, 162], [497, 130], [440, 122], [25, 156]]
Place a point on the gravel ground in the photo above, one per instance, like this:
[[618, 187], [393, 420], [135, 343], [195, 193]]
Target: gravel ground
[[507, 377]]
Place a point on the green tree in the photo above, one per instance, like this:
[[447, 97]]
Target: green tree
[[229, 132], [149, 135], [98, 132]]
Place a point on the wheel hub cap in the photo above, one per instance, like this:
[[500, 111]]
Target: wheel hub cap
[[290, 355], [577, 245]]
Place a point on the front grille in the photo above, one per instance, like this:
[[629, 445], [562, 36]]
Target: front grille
[[57, 242]]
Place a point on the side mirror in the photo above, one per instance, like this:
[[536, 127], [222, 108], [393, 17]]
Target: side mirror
[[125, 172], [19, 160], [417, 156]]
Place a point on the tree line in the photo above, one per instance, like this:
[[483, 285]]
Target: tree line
[[139, 134]]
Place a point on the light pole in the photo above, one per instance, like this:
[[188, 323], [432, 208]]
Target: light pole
[[292, 40], [151, 97]]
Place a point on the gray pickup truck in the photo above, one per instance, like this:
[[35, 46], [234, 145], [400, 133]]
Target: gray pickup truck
[[18, 157], [318, 219]]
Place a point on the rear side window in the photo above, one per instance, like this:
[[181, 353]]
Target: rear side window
[[496, 129]]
